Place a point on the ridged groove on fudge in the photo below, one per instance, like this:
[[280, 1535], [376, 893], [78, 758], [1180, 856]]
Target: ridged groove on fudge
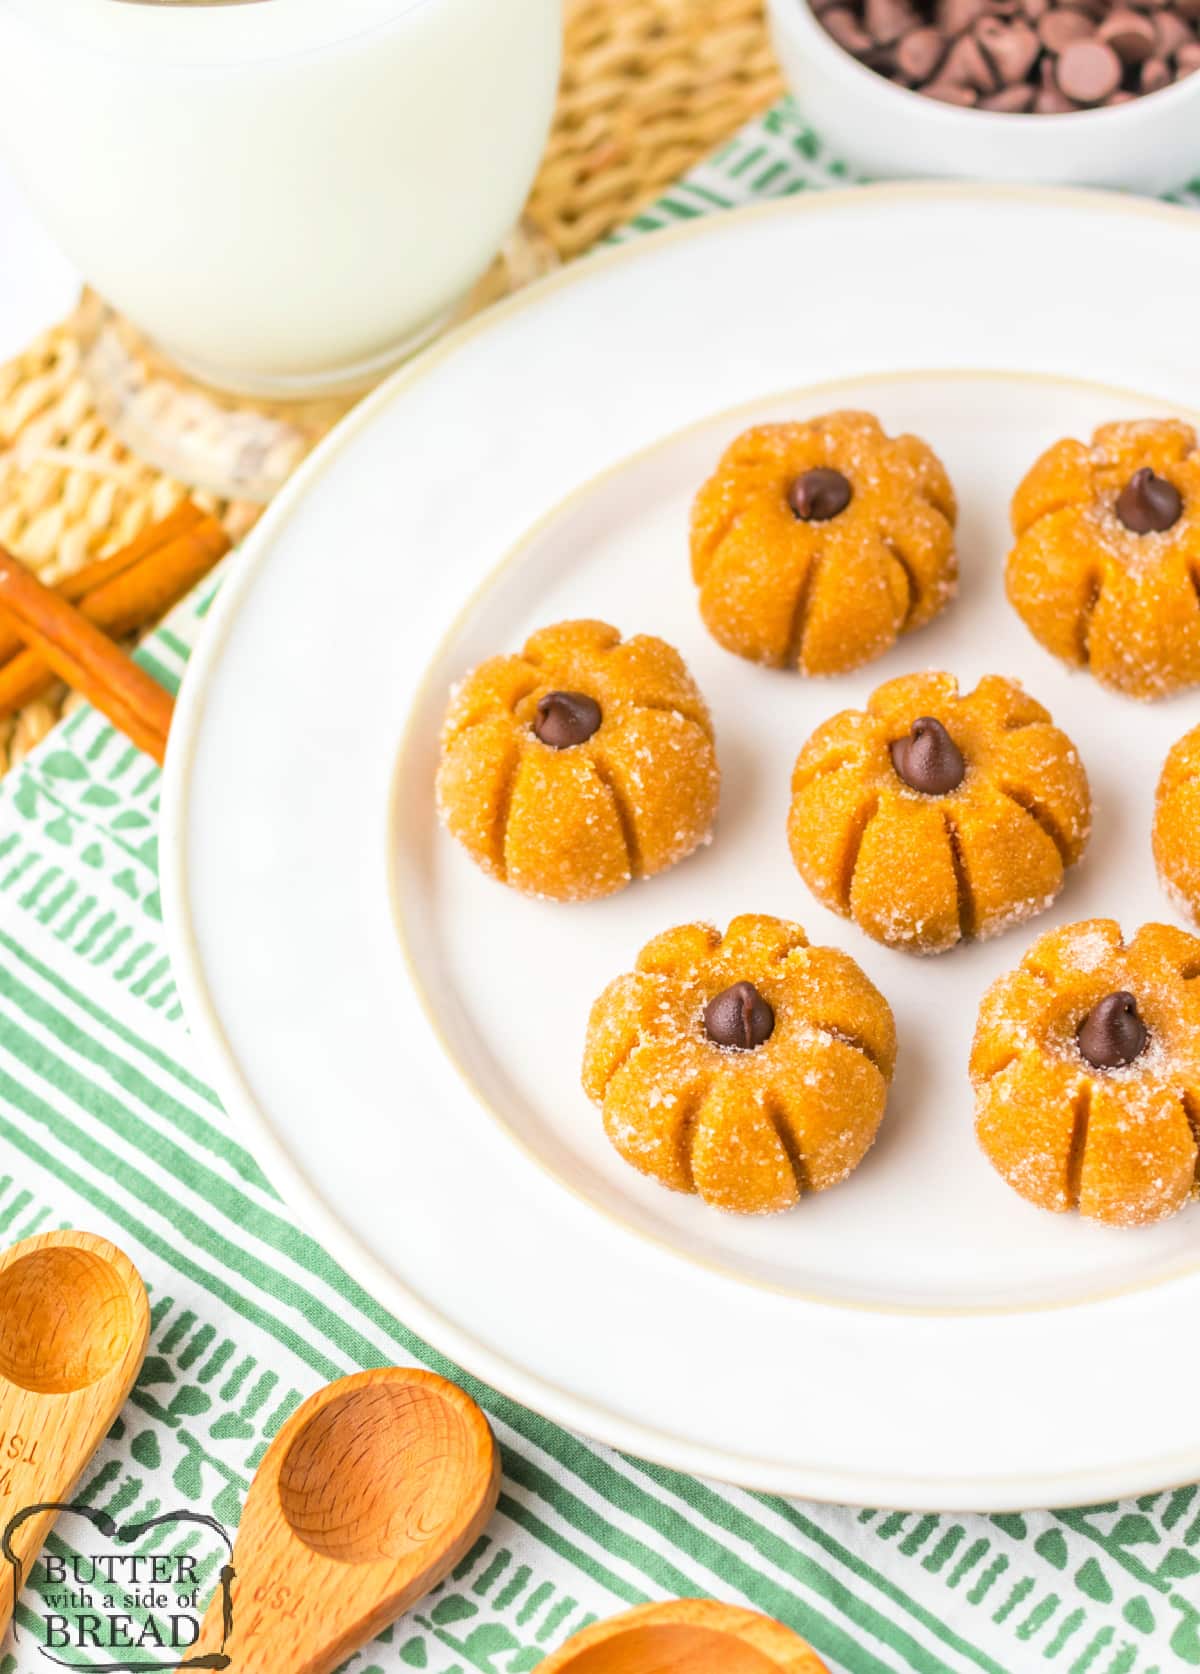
[[1177, 825], [984, 856], [968, 915], [1040, 810], [1092, 591], [911, 582], [1081, 1111], [1123, 1145], [855, 835], [748, 1131], [610, 778], [573, 824], [823, 596]]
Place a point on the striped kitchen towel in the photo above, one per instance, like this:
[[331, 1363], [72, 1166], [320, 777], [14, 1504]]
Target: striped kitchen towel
[[105, 1123]]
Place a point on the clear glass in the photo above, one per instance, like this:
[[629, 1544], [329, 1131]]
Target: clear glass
[[277, 200], [282, 195]]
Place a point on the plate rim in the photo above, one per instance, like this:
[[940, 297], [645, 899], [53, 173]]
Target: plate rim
[[254, 1128]]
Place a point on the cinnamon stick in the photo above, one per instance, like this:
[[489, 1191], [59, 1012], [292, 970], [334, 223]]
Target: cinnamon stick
[[81, 582], [128, 597], [83, 656], [147, 589]]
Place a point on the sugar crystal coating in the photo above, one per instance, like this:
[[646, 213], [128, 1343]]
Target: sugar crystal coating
[[571, 821], [922, 871], [749, 1131], [1097, 593], [1119, 1144], [822, 594]]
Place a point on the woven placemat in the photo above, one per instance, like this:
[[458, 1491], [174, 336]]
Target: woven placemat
[[648, 88]]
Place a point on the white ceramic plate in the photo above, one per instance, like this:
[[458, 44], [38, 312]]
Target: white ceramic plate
[[409, 1079]]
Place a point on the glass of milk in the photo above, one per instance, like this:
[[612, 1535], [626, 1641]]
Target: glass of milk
[[284, 196]]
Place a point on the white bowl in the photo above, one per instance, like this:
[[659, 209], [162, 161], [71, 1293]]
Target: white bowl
[[1149, 145]]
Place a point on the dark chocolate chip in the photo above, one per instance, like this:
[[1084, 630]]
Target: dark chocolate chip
[[846, 29], [888, 20], [739, 1017], [1170, 33], [948, 92], [1088, 71], [1149, 503], [1112, 1034], [566, 718], [919, 54], [967, 66], [1012, 48], [819, 494], [1048, 101], [929, 760], [1015, 100], [1131, 35], [955, 16], [1057, 29]]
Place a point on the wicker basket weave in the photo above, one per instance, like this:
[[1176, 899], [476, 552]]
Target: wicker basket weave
[[648, 88]]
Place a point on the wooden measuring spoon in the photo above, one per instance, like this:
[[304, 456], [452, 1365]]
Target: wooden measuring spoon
[[686, 1636], [73, 1327], [366, 1499]]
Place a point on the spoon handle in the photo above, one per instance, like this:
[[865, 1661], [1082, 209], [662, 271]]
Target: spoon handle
[[369, 1495], [74, 1322], [278, 1615]]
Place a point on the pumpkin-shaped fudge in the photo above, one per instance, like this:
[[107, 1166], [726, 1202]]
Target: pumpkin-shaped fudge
[[748, 1068], [1086, 1067], [583, 762], [816, 545], [1104, 569], [930, 817], [1177, 825]]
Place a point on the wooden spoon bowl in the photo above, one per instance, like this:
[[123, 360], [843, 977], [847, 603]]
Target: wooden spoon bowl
[[73, 1328], [413, 1452], [686, 1636], [369, 1495], [66, 1317]]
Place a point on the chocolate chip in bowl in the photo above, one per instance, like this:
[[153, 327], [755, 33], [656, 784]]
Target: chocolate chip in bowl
[[981, 70], [1017, 56]]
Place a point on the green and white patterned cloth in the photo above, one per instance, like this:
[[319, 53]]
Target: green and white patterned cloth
[[105, 1124]]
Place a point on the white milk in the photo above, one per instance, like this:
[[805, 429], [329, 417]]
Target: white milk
[[279, 192]]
